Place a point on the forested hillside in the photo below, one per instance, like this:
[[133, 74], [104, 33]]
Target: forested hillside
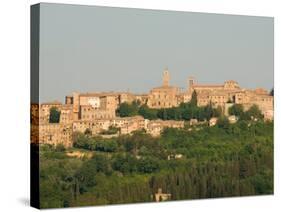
[[221, 161]]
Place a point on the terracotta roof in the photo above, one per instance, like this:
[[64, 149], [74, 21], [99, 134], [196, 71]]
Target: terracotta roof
[[261, 91], [232, 81], [67, 107], [52, 103], [204, 86], [164, 88], [128, 118], [98, 94]]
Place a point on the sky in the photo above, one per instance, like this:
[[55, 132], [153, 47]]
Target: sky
[[93, 49]]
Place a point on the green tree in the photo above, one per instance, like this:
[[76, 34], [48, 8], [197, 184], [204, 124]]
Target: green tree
[[217, 112], [223, 122], [193, 100], [86, 175], [147, 112], [60, 148], [254, 112], [102, 163], [148, 165], [125, 109], [54, 115], [80, 140], [237, 110], [111, 131], [124, 163], [162, 114]]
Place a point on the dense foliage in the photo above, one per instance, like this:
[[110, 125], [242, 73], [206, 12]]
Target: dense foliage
[[54, 115], [221, 161], [252, 113]]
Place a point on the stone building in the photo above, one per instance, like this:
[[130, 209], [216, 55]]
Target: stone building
[[165, 96], [155, 127], [126, 97], [87, 112], [141, 98], [128, 125], [93, 105], [95, 126], [229, 93], [66, 114], [217, 95], [258, 97], [55, 133], [44, 110]]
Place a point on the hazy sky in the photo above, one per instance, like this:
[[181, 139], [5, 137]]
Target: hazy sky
[[88, 49]]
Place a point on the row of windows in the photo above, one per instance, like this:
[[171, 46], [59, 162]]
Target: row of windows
[[160, 103], [82, 126], [98, 116], [159, 96], [218, 97]]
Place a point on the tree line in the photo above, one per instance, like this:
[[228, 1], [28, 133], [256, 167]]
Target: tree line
[[236, 160]]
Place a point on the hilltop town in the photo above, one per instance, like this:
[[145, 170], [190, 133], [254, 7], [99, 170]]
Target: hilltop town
[[97, 113]]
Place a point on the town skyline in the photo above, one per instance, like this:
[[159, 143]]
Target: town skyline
[[182, 88], [99, 111]]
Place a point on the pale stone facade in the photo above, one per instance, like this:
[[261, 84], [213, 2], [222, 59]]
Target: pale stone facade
[[95, 126], [155, 127], [165, 96], [127, 125], [55, 133], [66, 114], [90, 113], [141, 98]]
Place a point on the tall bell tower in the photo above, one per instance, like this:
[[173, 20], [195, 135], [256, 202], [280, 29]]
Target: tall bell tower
[[190, 82], [166, 77]]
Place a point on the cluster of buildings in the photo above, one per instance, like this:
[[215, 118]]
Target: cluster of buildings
[[96, 112]]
